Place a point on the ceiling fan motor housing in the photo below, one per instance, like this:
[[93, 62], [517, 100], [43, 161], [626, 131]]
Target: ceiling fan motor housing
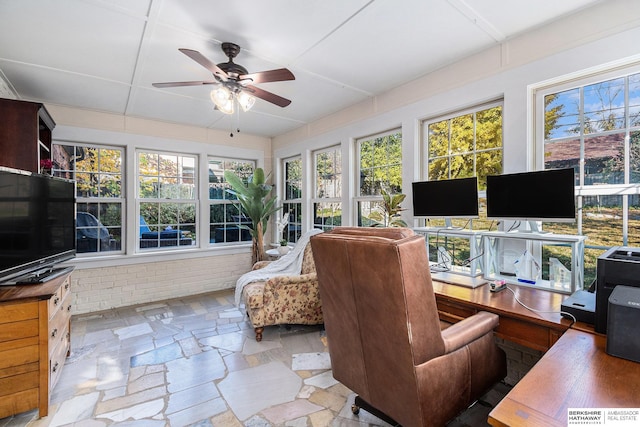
[[232, 69]]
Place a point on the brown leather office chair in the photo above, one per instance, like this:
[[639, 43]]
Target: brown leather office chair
[[384, 334]]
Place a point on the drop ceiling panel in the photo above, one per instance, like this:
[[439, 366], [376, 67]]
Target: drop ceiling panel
[[256, 123], [277, 30], [513, 17], [57, 87], [386, 44], [173, 108], [71, 35]]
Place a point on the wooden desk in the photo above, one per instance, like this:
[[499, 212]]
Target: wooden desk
[[538, 331], [575, 373]]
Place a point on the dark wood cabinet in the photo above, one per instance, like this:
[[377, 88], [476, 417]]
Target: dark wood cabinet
[[25, 134]]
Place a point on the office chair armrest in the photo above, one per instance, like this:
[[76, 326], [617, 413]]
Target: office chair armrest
[[468, 330]]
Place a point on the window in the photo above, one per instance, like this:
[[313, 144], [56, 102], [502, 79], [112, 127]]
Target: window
[[167, 200], [99, 194], [593, 126], [465, 144], [292, 203], [379, 167], [224, 210], [327, 203]]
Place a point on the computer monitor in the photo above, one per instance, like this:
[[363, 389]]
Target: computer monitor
[[547, 195], [448, 198]]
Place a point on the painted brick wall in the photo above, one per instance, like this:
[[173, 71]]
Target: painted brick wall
[[96, 289], [519, 359]]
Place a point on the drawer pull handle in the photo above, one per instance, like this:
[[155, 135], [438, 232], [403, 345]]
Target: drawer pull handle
[[55, 367], [56, 300], [66, 286], [54, 333], [69, 307]]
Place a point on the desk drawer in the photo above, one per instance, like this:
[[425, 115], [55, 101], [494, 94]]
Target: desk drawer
[[525, 333], [452, 312]]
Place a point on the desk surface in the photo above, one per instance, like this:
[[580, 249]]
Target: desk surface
[[534, 329], [575, 373], [503, 302]]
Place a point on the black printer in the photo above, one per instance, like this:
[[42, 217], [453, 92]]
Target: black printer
[[620, 265]]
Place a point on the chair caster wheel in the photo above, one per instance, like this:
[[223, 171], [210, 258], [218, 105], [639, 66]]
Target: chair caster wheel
[[355, 409]]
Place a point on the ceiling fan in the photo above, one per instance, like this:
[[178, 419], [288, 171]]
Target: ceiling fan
[[234, 82]]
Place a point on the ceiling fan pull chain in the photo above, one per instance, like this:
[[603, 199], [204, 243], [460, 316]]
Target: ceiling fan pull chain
[[238, 120]]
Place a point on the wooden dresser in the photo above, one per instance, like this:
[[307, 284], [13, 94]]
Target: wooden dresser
[[34, 343]]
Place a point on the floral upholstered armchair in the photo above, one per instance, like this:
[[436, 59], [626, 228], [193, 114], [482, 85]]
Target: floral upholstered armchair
[[284, 299]]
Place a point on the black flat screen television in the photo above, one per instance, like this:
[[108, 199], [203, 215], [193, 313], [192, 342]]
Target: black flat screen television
[[547, 195], [37, 223], [448, 198]]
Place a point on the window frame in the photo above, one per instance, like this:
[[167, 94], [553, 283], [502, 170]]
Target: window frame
[[230, 201], [481, 223], [583, 191], [295, 204], [71, 173], [374, 200], [183, 233], [336, 199]]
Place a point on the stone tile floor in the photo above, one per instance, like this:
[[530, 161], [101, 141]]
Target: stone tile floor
[[195, 361]]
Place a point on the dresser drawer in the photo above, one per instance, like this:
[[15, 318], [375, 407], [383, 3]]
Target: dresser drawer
[[58, 357], [59, 322], [58, 328], [55, 302], [65, 288]]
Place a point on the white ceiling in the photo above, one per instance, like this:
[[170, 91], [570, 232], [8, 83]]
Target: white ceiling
[[104, 55]]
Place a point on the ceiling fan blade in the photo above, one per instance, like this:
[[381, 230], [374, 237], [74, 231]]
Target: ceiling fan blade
[[202, 60], [174, 84], [267, 96], [279, 75]]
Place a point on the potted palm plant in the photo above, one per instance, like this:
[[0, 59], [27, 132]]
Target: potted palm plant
[[256, 203]]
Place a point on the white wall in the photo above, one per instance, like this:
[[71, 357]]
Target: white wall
[[109, 281], [606, 34]]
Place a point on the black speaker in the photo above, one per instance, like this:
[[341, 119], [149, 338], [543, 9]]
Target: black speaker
[[623, 339]]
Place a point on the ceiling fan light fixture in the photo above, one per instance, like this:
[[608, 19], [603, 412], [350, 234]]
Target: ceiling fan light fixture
[[245, 100], [223, 99]]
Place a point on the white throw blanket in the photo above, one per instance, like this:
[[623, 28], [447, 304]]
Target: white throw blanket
[[287, 265]]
